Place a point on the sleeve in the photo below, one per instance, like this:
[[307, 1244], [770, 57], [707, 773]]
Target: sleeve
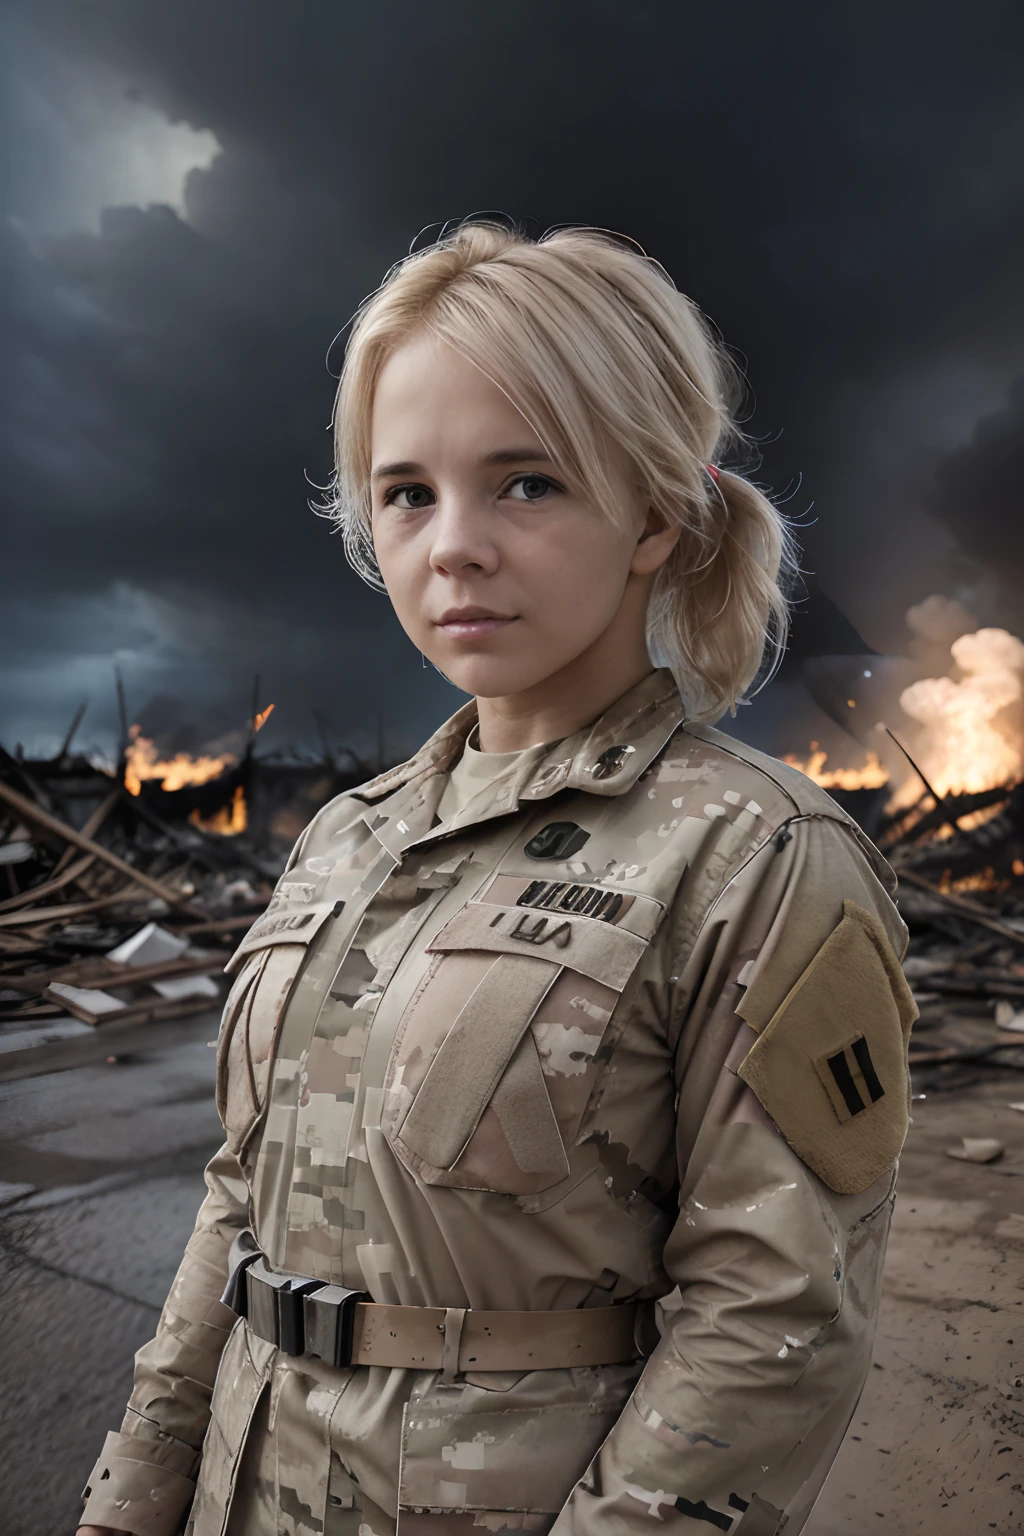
[[791, 1026], [145, 1478]]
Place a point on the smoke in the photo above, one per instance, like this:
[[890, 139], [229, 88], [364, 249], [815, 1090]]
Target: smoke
[[934, 624], [977, 498], [972, 723]]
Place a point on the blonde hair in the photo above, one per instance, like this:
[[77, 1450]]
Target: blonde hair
[[592, 342]]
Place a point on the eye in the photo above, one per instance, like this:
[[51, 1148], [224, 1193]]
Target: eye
[[531, 488], [409, 498]]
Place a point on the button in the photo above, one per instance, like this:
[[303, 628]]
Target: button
[[610, 762]]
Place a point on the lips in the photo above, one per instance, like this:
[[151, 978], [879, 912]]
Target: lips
[[471, 622], [470, 614], [472, 629]]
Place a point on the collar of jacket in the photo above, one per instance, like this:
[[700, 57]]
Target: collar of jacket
[[605, 758]]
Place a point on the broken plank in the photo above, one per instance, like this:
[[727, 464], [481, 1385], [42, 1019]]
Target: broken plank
[[34, 813], [226, 925], [12, 1013], [89, 1004], [97, 971], [93, 1048], [36, 893], [130, 1013], [962, 906], [92, 826], [36, 916]]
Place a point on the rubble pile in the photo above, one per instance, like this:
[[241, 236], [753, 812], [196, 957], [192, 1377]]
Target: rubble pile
[[960, 863], [122, 892], [119, 901]]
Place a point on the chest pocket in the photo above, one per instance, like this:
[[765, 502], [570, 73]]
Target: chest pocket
[[269, 959], [497, 1052]]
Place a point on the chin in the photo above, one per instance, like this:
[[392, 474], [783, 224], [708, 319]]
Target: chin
[[493, 677]]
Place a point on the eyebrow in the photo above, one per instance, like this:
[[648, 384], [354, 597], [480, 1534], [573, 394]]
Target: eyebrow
[[500, 456]]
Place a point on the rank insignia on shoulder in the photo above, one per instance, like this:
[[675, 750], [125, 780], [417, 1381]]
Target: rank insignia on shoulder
[[830, 1066], [850, 1079]]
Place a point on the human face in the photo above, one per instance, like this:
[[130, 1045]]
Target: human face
[[502, 575]]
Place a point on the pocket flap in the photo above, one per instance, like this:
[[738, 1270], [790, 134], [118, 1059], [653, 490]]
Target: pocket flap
[[472, 1057], [289, 924], [584, 944]]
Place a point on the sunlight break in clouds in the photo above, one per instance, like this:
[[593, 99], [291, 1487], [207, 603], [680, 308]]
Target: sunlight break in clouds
[[87, 141]]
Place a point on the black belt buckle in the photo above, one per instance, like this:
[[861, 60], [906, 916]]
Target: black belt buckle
[[290, 1331], [329, 1314], [274, 1307]]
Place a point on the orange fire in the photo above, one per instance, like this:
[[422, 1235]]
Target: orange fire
[[970, 729], [261, 718], [870, 774], [143, 761], [979, 880], [965, 745], [228, 821]]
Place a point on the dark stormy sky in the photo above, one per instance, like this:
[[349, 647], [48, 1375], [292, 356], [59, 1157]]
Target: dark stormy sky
[[200, 193]]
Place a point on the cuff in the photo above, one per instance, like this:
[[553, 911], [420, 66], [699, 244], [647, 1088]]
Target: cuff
[[137, 1486]]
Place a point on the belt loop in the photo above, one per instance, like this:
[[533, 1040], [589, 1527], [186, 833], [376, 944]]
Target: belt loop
[[646, 1333], [454, 1318]]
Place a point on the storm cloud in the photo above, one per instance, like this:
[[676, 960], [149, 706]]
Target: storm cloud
[[200, 194]]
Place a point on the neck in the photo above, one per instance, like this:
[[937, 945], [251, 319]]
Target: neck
[[563, 703]]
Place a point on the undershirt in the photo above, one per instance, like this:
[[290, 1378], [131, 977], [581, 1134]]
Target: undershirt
[[474, 772]]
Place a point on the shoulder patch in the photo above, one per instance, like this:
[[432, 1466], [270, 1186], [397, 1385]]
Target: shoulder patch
[[830, 1066]]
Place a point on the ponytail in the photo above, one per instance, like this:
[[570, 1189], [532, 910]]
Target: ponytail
[[719, 612]]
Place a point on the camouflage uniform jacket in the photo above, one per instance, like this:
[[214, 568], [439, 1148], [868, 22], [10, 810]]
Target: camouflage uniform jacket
[[632, 1027]]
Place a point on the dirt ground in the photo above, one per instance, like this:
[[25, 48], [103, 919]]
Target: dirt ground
[[937, 1443], [91, 1150]]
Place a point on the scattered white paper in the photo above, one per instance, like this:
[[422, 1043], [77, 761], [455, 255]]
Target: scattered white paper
[[150, 946], [87, 997], [177, 987], [977, 1149], [1008, 1017], [15, 853]]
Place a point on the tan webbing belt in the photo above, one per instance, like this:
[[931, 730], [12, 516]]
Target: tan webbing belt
[[342, 1327], [414, 1337]]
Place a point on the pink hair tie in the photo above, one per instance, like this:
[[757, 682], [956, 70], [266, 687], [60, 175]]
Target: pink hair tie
[[712, 470]]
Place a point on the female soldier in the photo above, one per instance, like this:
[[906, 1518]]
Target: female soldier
[[584, 1007]]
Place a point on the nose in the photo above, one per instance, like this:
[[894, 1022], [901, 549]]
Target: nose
[[462, 537]]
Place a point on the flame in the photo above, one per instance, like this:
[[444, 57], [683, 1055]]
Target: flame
[[970, 736], [870, 775], [261, 718], [979, 880], [963, 749], [143, 761], [228, 821], [963, 823]]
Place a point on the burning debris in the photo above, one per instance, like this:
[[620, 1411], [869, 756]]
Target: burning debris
[[944, 800], [121, 892], [972, 738]]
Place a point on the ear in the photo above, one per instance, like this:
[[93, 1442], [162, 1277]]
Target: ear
[[656, 542]]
